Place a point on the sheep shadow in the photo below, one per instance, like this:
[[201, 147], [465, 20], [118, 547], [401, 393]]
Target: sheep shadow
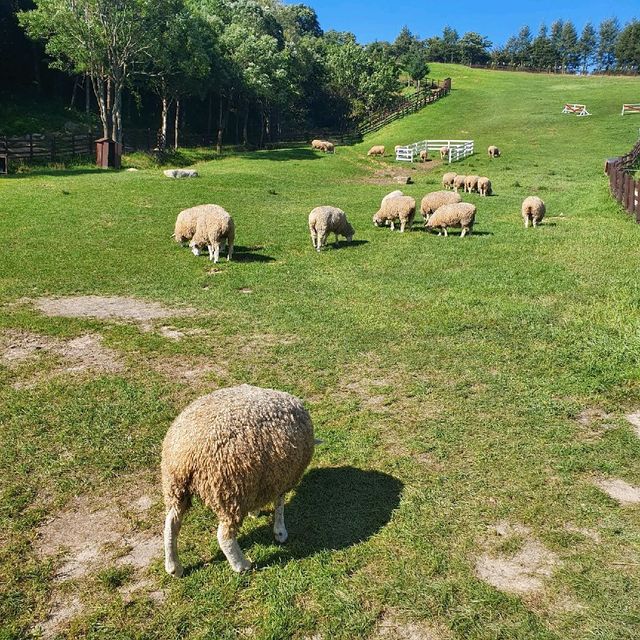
[[247, 254], [344, 244], [333, 508]]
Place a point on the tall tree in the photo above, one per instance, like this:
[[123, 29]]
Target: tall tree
[[569, 47], [606, 56], [451, 41], [474, 48], [587, 46], [555, 37], [102, 39], [542, 52], [628, 47]]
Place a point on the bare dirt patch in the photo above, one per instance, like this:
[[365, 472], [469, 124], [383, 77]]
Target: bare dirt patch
[[594, 422], [623, 492], [592, 534], [257, 342], [85, 353], [390, 627], [634, 419], [94, 532], [521, 573], [189, 371], [107, 308]]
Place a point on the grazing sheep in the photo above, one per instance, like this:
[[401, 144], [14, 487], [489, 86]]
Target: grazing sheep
[[376, 150], [213, 228], [447, 180], [461, 214], [458, 183], [471, 184], [533, 209], [237, 449], [444, 152], [484, 186], [325, 220], [493, 151], [317, 144], [424, 156], [186, 223], [393, 194], [435, 200], [401, 208]]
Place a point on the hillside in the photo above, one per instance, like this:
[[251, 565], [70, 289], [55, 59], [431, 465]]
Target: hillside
[[472, 394]]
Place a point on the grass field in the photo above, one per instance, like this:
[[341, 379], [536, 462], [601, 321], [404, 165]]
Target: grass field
[[471, 393]]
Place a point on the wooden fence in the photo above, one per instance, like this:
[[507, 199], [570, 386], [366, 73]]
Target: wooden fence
[[433, 91], [48, 147], [624, 188]]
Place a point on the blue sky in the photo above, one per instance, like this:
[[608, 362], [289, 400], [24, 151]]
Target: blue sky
[[382, 20]]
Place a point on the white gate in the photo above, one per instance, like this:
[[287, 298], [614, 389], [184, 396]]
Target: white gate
[[457, 149]]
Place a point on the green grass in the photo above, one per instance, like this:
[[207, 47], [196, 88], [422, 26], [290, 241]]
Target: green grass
[[482, 350]]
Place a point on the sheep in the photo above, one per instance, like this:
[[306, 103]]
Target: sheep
[[186, 223], [402, 208], [461, 214], [436, 199], [471, 184], [424, 156], [317, 144], [447, 180], [458, 183], [237, 449], [376, 150], [328, 147], [213, 228], [325, 220], [533, 209], [444, 152], [493, 151], [484, 186]]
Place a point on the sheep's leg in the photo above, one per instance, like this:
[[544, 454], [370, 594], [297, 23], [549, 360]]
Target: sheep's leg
[[313, 237], [216, 253], [210, 247], [229, 250], [172, 524], [534, 222], [279, 530], [444, 229], [322, 238], [526, 222], [337, 240], [391, 225], [402, 225], [231, 548], [464, 232]]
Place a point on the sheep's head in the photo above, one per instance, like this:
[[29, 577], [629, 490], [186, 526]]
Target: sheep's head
[[349, 232], [377, 219], [195, 247]]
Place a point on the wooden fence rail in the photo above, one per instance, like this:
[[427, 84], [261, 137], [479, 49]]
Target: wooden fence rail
[[624, 188]]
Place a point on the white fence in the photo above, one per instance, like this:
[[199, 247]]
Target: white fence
[[457, 149]]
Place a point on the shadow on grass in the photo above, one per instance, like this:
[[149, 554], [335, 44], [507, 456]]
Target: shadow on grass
[[248, 254], [344, 244], [333, 508], [297, 153]]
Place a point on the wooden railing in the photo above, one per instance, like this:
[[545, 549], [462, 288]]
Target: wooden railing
[[624, 188]]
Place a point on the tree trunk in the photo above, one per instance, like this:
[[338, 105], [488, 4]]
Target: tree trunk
[[100, 94], [209, 117], [162, 138], [116, 113], [176, 124], [76, 82], [262, 122], [223, 115], [87, 96], [245, 126]]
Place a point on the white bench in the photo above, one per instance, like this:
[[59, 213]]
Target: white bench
[[630, 108]]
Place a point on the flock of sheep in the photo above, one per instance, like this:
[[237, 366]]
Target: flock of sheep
[[245, 447]]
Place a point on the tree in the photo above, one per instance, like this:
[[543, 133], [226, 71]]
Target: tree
[[542, 52], [474, 48], [555, 38], [606, 56], [415, 64], [102, 39], [451, 40], [587, 46], [523, 46], [628, 47], [569, 47]]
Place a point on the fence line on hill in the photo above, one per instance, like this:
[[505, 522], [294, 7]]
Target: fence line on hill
[[624, 188]]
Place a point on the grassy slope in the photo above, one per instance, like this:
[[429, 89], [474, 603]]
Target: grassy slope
[[487, 348]]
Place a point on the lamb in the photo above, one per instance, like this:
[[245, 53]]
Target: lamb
[[376, 150], [533, 209], [493, 151], [237, 449], [424, 156], [402, 208], [186, 223], [447, 180], [444, 152], [484, 186], [471, 184], [461, 214], [458, 183], [325, 220], [436, 199], [213, 228]]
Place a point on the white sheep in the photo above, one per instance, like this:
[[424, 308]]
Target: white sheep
[[533, 210], [461, 214], [325, 220], [424, 155], [458, 183], [436, 199], [400, 208], [186, 222], [471, 184], [214, 228], [493, 151], [447, 180], [376, 150], [484, 186], [237, 449], [444, 152]]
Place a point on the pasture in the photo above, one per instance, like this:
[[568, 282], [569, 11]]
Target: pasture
[[472, 394]]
